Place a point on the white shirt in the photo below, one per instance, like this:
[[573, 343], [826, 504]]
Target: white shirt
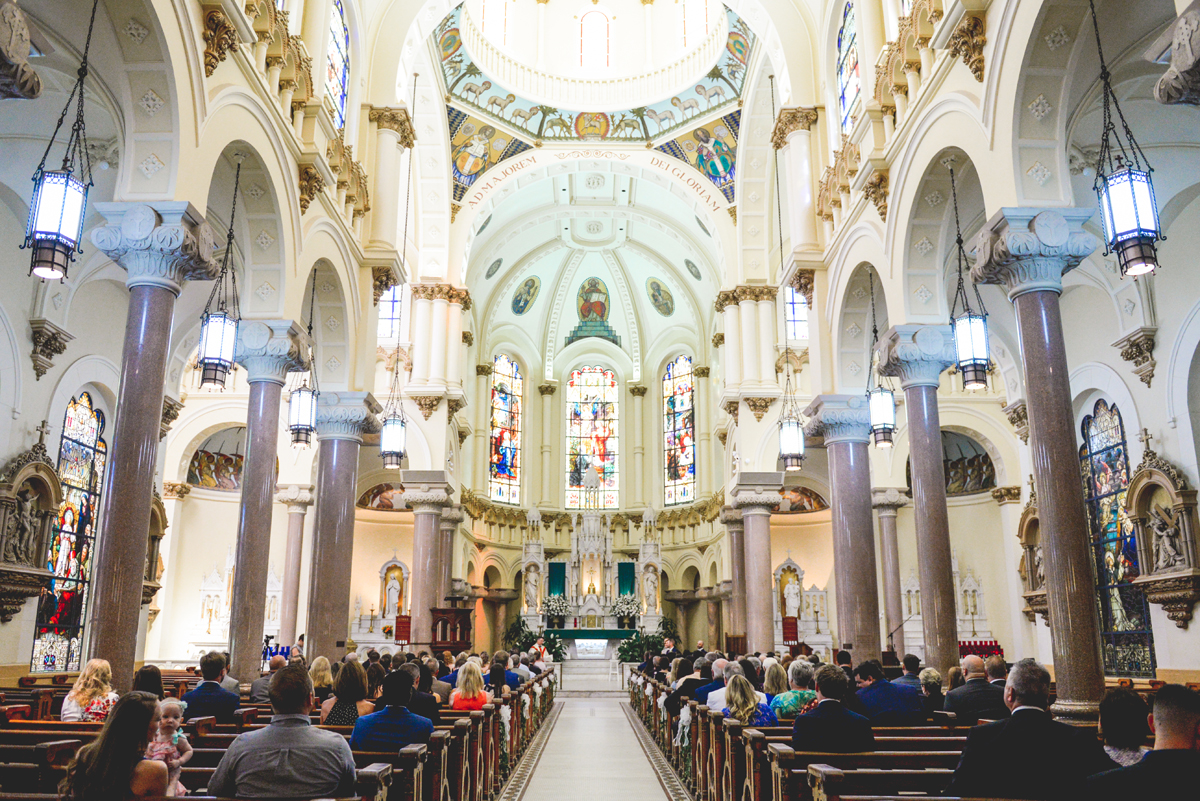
[[72, 712], [716, 699]]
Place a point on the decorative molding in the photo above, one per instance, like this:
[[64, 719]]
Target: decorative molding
[[789, 121], [803, 283], [756, 292], [723, 436], [428, 404], [49, 340], [1036, 604], [732, 213], [462, 436], [1181, 82], [1177, 594], [1137, 347], [1004, 495], [18, 80], [876, 191], [455, 208], [176, 491], [702, 372], [162, 244], [1152, 461], [1029, 249], [1018, 417], [170, 413], [397, 120], [270, 349], [759, 406], [220, 38], [967, 42], [718, 340], [454, 406], [17, 585], [486, 369], [446, 292], [382, 279], [468, 338], [731, 408], [311, 184], [547, 389], [637, 390], [916, 354]]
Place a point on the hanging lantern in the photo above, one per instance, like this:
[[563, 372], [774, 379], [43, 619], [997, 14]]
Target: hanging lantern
[[302, 414], [791, 440], [218, 337], [971, 349], [882, 403], [59, 202], [393, 443]]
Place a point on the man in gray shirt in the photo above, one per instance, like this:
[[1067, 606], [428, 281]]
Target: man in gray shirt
[[260, 688], [290, 758]]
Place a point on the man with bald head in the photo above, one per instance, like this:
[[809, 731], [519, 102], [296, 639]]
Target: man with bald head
[[718, 668], [260, 688], [977, 699]]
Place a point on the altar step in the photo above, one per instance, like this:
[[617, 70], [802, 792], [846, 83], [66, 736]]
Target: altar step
[[589, 678]]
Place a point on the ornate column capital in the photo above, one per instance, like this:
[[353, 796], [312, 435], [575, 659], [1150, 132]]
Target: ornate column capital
[[1181, 82], [756, 493], [298, 497], [1003, 495], [483, 369], [1137, 348], [49, 340], [702, 372], [175, 490], [888, 499], [451, 517], [17, 78], [637, 390], [789, 121], [548, 388], [395, 120], [839, 418], [346, 415], [427, 500], [158, 244], [803, 283], [270, 349], [1028, 250], [170, 413], [916, 354], [1018, 417], [731, 518], [446, 292]]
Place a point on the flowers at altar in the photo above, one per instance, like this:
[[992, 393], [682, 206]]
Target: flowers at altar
[[556, 606], [626, 606], [388, 630]]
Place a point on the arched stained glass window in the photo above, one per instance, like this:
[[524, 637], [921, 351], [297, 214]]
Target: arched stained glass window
[[849, 81], [679, 432], [593, 40], [592, 439], [504, 483], [58, 640], [1125, 633], [337, 78], [796, 313]]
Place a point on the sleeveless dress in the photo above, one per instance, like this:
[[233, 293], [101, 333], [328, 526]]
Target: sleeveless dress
[[162, 752], [343, 713]]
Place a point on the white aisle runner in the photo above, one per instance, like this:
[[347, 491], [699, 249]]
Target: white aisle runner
[[593, 753]]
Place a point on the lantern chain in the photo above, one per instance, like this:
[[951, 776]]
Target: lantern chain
[[960, 293], [394, 404], [789, 400], [223, 298], [77, 141]]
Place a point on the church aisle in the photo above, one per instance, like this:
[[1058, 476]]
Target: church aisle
[[593, 750]]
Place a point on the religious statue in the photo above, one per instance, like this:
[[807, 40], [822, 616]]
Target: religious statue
[[651, 591], [1167, 550], [531, 590], [791, 598], [1039, 568], [392, 592], [19, 544]]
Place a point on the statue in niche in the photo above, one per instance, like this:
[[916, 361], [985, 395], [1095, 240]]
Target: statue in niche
[[392, 593], [20, 542], [651, 591], [1168, 552], [531, 590], [1039, 568], [574, 588], [791, 598]]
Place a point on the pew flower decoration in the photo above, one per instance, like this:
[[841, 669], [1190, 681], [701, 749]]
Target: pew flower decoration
[[526, 702], [556, 606], [649, 691], [626, 606], [685, 723], [505, 717], [537, 690]]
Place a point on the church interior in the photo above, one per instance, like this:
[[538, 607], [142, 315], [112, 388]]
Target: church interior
[[782, 326]]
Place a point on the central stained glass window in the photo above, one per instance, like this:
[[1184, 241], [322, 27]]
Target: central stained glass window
[[504, 483], [679, 432], [592, 439]]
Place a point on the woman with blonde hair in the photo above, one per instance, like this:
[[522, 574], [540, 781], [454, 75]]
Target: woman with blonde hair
[[741, 703], [92, 697], [322, 678], [470, 694], [776, 682]]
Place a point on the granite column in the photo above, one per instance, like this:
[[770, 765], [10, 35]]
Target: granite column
[[886, 502], [161, 246], [732, 518], [451, 518], [427, 494], [1027, 251], [755, 494], [549, 497], [298, 498]]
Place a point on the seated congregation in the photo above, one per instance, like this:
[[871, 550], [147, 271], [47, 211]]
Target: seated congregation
[[404, 726], [766, 727]]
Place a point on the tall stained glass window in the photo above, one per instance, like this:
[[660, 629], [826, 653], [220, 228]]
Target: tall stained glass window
[[58, 641], [849, 81], [1125, 633], [592, 438], [337, 77], [504, 483], [796, 313], [679, 432]]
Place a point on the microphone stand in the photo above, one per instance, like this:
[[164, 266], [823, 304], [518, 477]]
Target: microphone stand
[[891, 643]]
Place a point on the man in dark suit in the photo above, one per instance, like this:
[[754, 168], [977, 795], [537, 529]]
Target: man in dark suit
[[260, 688], [394, 726], [669, 650], [423, 704], [844, 662], [997, 670], [1173, 766], [977, 698], [1030, 755], [209, 699], [887, 703], [831, 727], [912, 672]]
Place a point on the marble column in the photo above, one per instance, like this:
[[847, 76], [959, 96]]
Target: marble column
[[298, 498], [451, 518], [755, 494], [638, 496], [792, 134], [706, 468], [886, 502], [428, 493], [268, 349], [845, 423], [549, 497], [732, 519], [483, 423], [161, 246], [712, 607], [393, 135], [917, 355], [1027, 251], [342, 419]]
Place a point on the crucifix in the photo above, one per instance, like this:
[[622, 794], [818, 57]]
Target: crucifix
[[42, 431], [1145, 438]]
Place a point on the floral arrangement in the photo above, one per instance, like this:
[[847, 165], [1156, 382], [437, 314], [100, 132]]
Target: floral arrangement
[[626, 606], [387, 631], [556, 605]]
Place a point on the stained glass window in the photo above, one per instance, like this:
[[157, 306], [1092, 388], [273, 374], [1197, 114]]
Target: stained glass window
[[593, 40], [504, 483], [1125, 633], [796, 313], [81, 458], [679, 432], [592, 439], [337, 77], [849, 81]]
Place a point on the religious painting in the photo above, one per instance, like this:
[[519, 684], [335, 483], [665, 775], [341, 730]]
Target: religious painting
[[217, 463], [524, 297], [703, 227], [495, 266], [712, 149], [504, 482], [592, 125], [660, 297], [592, 438], [476, 146], [679, 433], [592, 303], [966, 464], [82, 456], [486, 223], [692, 268], [1126, 635], [800, 500], [386, 497]]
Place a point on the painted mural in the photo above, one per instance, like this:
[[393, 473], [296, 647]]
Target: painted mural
[[494, 267], [524, 297], [660, 297], [800, 500], [217, 463], [593, 306], [468, 86], [712, 149], [474, 147], [387, 497], [692, 268]]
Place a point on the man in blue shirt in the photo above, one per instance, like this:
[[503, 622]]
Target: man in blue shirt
[[395, 726], [912, 671], [885, 703]]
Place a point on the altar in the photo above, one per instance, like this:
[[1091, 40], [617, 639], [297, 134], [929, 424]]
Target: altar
[[599, 644]]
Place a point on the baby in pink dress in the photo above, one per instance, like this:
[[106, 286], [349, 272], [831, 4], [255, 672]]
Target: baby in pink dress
[[171, 745]]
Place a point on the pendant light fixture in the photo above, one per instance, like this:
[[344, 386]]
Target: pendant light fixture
[[219, 322], [970, 327], [59, 203], [881, 400], [393, 439], [791, 421], [1123, 185], [302, 404]]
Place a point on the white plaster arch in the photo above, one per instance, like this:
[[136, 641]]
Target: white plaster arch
[[1094, 380], [10, 378], [1183, 372], [95, 370]]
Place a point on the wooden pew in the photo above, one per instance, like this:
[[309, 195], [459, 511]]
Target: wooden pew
[[828, 783], [789, 778]]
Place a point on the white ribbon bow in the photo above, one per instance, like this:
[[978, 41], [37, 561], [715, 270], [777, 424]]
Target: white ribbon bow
[[505, 717], [526, 701], [537, 690], [649, 691]]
